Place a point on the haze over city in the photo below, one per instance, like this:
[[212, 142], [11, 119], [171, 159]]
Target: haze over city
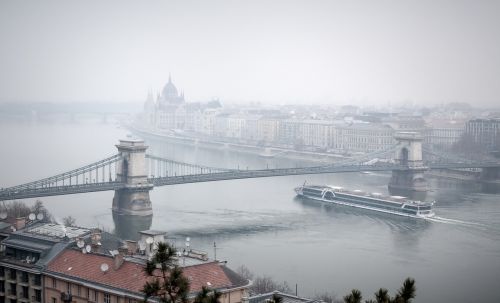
[[274, 52], [249, 151]]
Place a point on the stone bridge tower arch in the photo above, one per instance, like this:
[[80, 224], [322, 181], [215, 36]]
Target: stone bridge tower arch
[[408, 154], [133, 199]]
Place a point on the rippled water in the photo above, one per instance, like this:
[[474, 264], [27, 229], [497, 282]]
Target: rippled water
[[260, 223]]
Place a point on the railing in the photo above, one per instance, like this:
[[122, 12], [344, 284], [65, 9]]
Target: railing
[[59, 190], [174, 172]]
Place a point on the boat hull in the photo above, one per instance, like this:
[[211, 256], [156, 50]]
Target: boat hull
[[343, 203]]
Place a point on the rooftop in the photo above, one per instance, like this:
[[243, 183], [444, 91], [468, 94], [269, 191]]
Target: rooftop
[[130, 275], [152, 232], [56, 231], [287, 298]]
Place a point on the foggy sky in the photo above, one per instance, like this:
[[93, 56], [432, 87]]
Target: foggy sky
[[276, 52]]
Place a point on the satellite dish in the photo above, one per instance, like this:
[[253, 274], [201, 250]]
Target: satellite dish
[[209, 284], [80, 243], [88, 248], [188, 239], [3, 215], [39, 216], [104, 267], [149, 240], [142, 245], [84, 251], [32, 217]]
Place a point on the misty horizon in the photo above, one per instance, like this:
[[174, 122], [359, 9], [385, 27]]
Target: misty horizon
[[283, 52]]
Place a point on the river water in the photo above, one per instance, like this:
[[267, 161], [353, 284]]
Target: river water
[[260, 224]]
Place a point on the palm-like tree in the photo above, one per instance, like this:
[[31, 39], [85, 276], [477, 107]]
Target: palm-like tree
[[166, 283], [406, 292], [354, 297], [382, 296]]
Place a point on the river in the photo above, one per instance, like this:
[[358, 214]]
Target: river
[[260, 224]]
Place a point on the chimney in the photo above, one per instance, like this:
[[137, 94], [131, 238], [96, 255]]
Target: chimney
[[95, 239], [20, 223], [123, 249], [131, 246], [117, 261]]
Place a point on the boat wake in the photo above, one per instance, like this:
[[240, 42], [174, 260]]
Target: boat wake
[[453, 221]]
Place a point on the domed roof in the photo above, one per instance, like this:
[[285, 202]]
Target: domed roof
[[169, 90]]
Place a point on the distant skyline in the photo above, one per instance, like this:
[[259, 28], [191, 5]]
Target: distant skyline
[[273, 52]]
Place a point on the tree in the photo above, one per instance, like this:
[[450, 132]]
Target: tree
[[266, 284], [208, 296], [354, 297], [244, 272], [39, 208], [166, 281], [405, 294], [69, 221], [16, 209], [382, 296]]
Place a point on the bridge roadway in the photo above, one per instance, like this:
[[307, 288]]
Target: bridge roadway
[[23, 193]]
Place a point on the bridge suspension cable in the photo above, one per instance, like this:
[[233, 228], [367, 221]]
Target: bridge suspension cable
[[162, 167], [102, 171], [368, 157]]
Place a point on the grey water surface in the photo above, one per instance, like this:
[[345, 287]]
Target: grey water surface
[[260, 224]]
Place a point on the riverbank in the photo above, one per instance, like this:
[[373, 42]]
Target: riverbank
[[261, 151]]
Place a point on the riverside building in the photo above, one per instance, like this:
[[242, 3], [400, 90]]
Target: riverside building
[[26, 253]]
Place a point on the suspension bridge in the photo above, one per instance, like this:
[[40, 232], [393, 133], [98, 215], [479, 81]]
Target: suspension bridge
[[132, 173]]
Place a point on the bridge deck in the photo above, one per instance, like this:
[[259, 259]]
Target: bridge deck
[[19, 192]]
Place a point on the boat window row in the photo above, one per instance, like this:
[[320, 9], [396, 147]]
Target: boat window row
[[378, 205]]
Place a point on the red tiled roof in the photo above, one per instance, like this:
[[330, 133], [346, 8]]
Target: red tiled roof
[[130, 276]]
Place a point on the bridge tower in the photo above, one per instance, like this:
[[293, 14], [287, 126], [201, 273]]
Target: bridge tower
[[133, 199], [408, 154]]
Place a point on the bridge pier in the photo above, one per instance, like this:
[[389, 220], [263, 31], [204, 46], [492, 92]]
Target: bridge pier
[[410, 181], [133, 199]]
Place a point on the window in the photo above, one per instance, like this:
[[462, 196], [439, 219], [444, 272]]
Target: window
[[54, 300], [25, 292], [13, 274], [37, 280], [79, 290], [107, 298], [24, 277], [38, 295], [96, 296], [13, 290], [54, 283], [68, 288]]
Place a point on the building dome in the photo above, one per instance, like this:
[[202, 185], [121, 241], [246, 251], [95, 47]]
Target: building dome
[[169, 90]]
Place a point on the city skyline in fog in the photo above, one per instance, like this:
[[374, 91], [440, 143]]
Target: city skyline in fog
[[280, 52]]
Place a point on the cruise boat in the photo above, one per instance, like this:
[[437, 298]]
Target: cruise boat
[[396, 205]]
